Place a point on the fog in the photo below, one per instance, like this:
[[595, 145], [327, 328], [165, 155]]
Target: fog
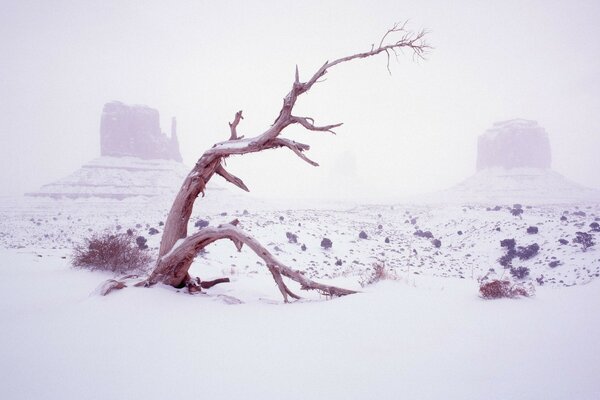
[[409, 132]]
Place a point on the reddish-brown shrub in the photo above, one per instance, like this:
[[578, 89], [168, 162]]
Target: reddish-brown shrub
[[379, 272], [110, 252], [498, 289]]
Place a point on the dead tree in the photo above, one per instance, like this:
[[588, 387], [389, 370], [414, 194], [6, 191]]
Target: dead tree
[[178, 250]]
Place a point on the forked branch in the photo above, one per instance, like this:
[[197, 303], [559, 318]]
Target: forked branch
[[175, 260]]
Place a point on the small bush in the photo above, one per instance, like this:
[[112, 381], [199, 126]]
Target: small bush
[[527, 252], [379, 272], [141, 242], [516, 212], [520, 272], [110, 252], [291, 237], [426, 234], [201, 223], [563, 241], [437, 243], [362, 235], [326, 243], [585, 240], [532, 230], [508, 243], [498, 289]]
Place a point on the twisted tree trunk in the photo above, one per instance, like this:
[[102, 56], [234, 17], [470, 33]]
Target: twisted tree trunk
[[178, 250]]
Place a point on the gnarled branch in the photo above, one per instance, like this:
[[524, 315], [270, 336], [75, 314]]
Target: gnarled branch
[[174, 261]]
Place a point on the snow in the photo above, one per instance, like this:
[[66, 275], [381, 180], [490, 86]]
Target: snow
[[425, 335]]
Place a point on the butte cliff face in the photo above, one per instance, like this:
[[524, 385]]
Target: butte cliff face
[[516, 143], [135, 131]]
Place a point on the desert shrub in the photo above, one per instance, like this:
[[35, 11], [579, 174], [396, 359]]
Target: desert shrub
[[426, 234], [595, 227], [141, 242], [563, 241], [291, 237], [554, 264], [378, 272], [506, 259], [498, 289], [563, 218], [110, 252], [437, 243], [516, 212], [584, 239], [362, 235], [527, 252], [508, 243], [326, 243], [201, 223], [532, 230], [152, 231], [520, 272]]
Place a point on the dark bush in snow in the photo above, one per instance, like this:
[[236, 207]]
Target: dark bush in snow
[[585, 240], [338, 262], [527, 252], [506, 259], [563, 241], [387, 240], [508, 243], [516, 211], [437, 243], [595, 227], [426, 234], [291, 237], [563, 218], [303, 247], [141, 242], [201, 223], [152, 231], [362, 235], [110, 252], [554, 264], [520, 272], [532, 230], [580, 213], [459, 232], [326, 243]]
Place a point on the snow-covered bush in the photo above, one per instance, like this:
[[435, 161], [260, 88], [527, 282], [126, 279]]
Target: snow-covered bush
[[110, 252]]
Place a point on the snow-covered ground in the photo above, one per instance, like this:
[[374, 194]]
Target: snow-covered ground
[[424, 335]]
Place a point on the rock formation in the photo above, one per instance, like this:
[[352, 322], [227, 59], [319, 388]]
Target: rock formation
[[135, 131], [514, 166], [137, 159], [516, 143]]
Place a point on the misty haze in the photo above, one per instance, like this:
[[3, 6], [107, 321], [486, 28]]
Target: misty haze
[[303, 200]]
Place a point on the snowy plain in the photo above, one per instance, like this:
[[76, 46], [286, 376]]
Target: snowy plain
[[424, 335]]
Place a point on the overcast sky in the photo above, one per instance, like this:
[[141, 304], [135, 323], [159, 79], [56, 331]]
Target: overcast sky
[[413, 131]]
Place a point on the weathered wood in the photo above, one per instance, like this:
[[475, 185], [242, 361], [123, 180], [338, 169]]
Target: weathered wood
[[176, 258]]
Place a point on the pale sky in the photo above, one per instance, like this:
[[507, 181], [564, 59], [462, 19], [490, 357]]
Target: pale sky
[[413, 131]]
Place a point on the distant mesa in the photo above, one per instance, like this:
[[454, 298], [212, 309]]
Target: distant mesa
[[137, 159], [135, 131], [517, 143], [514, 166]]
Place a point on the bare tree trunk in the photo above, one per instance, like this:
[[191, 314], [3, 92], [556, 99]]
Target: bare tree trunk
[[178, 250]]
